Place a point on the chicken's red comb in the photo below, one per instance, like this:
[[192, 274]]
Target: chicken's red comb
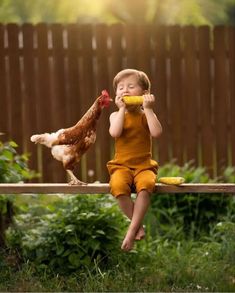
[[105, 93]]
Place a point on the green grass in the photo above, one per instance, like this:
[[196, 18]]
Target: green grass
[[156, 266], [163, 262]]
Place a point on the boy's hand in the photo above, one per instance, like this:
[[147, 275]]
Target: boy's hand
[[119, 102], [149, 101]]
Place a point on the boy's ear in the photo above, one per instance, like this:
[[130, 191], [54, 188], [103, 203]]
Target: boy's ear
[[146, 92]]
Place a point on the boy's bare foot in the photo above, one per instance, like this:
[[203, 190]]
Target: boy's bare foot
[[128, 241], [140, 234]]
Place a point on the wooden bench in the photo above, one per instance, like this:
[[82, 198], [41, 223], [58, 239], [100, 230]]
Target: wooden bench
[[103, 188]]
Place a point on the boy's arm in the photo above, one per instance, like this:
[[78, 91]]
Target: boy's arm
[[116, 123], [154, 124]]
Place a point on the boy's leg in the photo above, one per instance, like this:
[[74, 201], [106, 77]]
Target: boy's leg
[[120, 182], [127, 206], [140, 208], [144, 182]]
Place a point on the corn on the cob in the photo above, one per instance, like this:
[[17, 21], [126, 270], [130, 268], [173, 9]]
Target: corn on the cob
[[133, 100], [172, 180]]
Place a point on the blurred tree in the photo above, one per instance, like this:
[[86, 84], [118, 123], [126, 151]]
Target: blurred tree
[[195, 12], [35, 11], [218, 12]]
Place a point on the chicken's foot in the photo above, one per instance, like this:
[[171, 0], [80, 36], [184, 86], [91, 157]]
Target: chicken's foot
[[74, 180]]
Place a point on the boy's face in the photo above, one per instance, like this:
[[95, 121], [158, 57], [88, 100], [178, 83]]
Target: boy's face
[[129, 86]]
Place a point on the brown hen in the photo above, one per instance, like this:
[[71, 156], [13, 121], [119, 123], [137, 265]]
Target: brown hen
[[68, 145]]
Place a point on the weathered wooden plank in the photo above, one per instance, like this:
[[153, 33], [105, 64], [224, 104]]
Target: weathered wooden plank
[[159, 84], [97, 188], [102, 79], [44, 101], [175, 96], [143, 48], [29, 94], [190, 94], [73, 104], [130, 46], [220, 97], [15, 101], [231, 47], [4, 104], [58, 81], [116, 50], [205, 88], [88, 95]]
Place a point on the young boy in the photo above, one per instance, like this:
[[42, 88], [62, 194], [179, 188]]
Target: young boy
[[133, 127]]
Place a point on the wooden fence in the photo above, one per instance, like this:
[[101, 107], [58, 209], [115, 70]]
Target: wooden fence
[[50, 75]]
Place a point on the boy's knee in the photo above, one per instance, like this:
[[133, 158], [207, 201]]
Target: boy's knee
[[117, 189], [146, 181], [145, 185], [119, 184]]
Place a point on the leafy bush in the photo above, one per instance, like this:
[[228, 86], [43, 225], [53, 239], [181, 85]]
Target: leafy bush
[[13, 167], [188, 214], [228, 175], [188, 171], [186, 266], [82, 230]]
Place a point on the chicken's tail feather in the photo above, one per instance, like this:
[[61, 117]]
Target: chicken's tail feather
[[42, 139]]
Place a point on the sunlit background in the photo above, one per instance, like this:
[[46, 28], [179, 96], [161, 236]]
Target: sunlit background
[[196, 12]]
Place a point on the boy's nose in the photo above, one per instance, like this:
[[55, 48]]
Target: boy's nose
[[125, 92]]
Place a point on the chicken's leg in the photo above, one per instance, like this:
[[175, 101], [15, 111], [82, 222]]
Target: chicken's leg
[[74, 180]]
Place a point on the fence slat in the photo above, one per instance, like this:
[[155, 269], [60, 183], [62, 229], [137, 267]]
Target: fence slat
[[131, 43], [143, 48], [16, 124], [58, 94], [205, 88], [116, 51], [220, 97], [48, 166], [73, 108], [231, 44], [29, 82], [159, 86], [190, 103], [88, 94], [102, 79], [175, 101], [4, 116]]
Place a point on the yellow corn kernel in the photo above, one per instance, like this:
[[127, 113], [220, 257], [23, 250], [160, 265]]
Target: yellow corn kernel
[[133, 100], [172, 180]]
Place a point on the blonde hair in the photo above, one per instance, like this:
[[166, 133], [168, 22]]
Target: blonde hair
[[142, 77]]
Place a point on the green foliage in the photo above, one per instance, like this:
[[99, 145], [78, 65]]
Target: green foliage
[[37, 11], [157, 265], [76, 233], [188, 171], [228, 175], [13, 167], [184, 12], [188, 214]]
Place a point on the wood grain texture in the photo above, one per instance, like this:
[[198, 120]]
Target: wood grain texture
[[103, 188]]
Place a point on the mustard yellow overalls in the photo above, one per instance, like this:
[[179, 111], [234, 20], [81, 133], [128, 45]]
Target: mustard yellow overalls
[[132, 166]]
